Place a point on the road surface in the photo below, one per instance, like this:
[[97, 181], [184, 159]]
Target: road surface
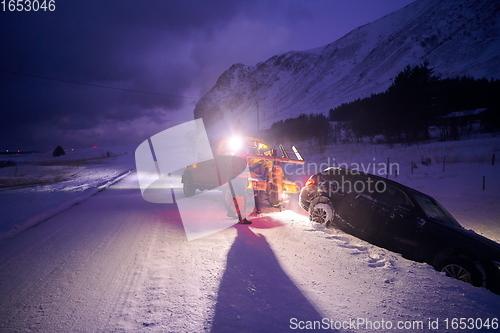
[[116, 263]]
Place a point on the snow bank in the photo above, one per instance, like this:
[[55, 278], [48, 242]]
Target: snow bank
[[40, 186]]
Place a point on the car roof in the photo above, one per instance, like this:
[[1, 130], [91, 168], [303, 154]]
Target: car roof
[[361, 173]]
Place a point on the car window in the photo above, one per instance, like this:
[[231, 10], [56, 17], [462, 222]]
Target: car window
[[363, 185], [392, 196], [434, 210]]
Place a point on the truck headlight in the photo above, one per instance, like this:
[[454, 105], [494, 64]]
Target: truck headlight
[[234, 144]]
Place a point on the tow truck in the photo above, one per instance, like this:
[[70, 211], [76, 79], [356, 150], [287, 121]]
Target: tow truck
[[251, 161]]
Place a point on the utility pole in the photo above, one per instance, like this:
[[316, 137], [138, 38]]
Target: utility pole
[[258, 120]]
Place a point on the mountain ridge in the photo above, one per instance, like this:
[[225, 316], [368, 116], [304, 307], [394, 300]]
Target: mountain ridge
[[457, 37]]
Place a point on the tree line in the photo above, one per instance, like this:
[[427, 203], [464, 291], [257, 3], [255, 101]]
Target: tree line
[[416, 100], [313, 127]]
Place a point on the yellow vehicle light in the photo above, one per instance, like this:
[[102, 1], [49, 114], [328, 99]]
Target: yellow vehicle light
[[259, 186], [291, 189]]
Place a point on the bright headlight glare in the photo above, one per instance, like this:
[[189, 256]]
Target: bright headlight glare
[[234, 144]]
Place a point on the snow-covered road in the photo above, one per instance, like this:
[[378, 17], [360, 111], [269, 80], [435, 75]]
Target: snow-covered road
[[116, 263]]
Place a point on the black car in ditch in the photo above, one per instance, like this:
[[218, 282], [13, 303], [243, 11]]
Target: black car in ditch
[[403, 220]]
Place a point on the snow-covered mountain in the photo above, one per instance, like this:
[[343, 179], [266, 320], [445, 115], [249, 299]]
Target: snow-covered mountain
[[457, 37]]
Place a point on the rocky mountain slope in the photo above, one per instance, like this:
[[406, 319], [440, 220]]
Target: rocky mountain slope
[[457, 37]]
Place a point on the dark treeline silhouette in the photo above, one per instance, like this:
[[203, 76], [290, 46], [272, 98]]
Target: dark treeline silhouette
[[314, 127], [416, 100]]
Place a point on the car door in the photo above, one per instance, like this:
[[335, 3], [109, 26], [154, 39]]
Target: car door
[[334, 184], [357, 207], [437, 229], [402, 229]]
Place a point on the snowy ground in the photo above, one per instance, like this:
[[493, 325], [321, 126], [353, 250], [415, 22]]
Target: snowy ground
[[116, 263], [41, 185]]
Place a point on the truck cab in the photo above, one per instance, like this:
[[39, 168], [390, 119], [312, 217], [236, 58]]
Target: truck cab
[[249, 160]]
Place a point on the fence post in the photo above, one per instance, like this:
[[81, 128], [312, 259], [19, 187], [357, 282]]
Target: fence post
[[444, 161], [387, 169], [493, 159], [484, 182], [412, 167]]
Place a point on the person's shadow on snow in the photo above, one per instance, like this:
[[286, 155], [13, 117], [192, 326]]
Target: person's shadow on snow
[[255, 294]]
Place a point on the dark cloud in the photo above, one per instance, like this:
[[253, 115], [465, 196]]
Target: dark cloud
[[158, 46], [127, 44]]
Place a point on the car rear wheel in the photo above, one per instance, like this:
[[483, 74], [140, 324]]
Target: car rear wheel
[[321, 212], [462, 270]]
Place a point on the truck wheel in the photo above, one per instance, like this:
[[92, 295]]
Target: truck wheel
[[228, 199], [293, 202], [249, 201], [187, 185]]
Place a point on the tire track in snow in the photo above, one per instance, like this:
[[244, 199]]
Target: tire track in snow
[[177, 287], [78, 268]]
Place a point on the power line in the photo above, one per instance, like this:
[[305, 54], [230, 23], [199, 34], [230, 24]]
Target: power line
[[97, 85]]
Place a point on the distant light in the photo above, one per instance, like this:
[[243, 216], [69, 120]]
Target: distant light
[[94, 146]]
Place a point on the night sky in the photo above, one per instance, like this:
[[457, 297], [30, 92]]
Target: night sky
[[172, 50]]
